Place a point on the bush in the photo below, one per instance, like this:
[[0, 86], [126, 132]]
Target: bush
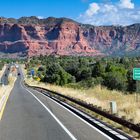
[[115, 80], [83, 74], [98, 70], [114, 73], [131, 83], [1, 65], [41, 68], [57, 75], [90, 82]]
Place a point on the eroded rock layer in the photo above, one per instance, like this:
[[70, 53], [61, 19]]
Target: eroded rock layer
[[32, 36]]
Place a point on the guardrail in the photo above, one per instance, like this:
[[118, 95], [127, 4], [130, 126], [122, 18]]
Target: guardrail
[[121, 121]]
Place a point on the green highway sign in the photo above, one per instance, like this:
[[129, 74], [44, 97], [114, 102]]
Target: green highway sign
[[136, 73]]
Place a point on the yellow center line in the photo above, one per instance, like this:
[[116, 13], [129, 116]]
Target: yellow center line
[[4, 105]]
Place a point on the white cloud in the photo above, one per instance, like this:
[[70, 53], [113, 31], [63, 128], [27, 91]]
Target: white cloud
[[126, 4], [40, 17], [107, 8], [122, 13], [93, 9]]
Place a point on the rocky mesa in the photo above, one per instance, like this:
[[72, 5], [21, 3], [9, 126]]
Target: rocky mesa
[[30, 36]]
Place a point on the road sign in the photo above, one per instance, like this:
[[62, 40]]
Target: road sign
[[136, 73], [32, 72]]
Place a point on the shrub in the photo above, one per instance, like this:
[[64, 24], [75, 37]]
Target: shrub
[[57, 75], [115, 80]]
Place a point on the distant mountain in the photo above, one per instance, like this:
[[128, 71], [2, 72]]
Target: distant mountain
[[30, 36]]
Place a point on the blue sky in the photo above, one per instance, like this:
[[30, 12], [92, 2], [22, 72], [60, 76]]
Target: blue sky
[[97, 12], [45, 8]]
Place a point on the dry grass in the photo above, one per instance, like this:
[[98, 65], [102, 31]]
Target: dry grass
[[7, 88], [2, 89], [100, 96], [2, 71]]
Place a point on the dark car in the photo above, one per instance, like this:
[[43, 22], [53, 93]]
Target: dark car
[[18, 74], [5, 74]]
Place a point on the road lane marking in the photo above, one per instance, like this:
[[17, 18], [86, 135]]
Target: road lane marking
[[4, 105], [57, 120], [77, 116]]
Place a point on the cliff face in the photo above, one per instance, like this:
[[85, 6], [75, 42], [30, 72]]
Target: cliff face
[[66, 37], [114, 40]]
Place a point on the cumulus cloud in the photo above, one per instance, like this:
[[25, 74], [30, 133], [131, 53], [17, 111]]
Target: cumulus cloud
[[93, 9], [126, 4], [123, 12]]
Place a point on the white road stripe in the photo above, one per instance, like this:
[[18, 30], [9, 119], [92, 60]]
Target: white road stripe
[[109, 138], [65, 129]]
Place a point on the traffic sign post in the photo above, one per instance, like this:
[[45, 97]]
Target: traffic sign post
[[136, 73], [32, 72], [136, 76]]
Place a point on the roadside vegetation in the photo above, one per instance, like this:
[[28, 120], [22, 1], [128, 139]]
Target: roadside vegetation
[[7, 88], [4, 61], [1, 65], [94, 80], [85, 72], [100, 96]]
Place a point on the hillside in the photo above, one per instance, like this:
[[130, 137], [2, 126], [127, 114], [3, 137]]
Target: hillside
[[30, 36]]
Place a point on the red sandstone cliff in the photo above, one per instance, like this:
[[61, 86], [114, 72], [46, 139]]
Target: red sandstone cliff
[[66, 37]]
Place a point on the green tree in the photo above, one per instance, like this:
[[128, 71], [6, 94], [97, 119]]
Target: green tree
[[98, 70], [57, 75], [115, 80], [85, 73], [131, 83]]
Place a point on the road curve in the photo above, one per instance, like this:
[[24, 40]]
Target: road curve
[[32, 116]]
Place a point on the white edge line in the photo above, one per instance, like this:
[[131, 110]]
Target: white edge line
[[78, 117], [81, 119], [57, 120]]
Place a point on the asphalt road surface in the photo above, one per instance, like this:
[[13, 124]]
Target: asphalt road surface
[[30, 115], [4, 78]]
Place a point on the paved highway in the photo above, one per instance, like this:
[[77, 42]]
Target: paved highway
[[30, 115], [4, 78]]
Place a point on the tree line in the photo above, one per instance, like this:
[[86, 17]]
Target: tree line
[[85, 72]]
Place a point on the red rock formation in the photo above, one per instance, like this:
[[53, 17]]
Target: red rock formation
[[66, 37]]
